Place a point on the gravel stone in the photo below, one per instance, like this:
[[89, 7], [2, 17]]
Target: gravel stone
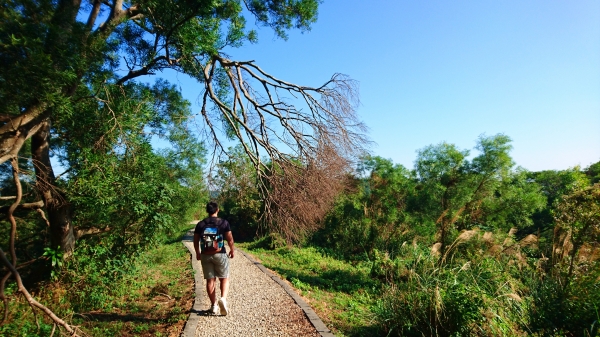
[[258, 306]]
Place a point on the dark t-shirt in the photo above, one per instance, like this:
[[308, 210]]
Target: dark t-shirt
[[222, 228]]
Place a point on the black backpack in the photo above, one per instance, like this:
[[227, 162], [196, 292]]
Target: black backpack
[[212, 238]]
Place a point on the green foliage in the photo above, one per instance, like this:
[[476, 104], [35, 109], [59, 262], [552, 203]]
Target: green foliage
[[572, 313], [118, 185], [466, 297], [452, 189], [27, 329], [481, 284], [513, 204], [56, 258], [593, 172], [149, 291], [239, 198], [375, 215], [283, 15], [388, 205], [555, 184]]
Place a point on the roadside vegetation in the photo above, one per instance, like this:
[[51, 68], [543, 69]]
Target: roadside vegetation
[[148, 295], [453, 247]]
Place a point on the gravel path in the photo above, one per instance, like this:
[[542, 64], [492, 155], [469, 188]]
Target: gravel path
[[258, 305]]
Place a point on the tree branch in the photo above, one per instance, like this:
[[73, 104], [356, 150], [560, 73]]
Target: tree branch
[[20, 128], [90, 231], [118, 15], [142, 71], [93, 14], [32, 205], [13, 232]]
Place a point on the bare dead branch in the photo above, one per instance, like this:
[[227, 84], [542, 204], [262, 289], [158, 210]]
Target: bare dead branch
[[309, 135]]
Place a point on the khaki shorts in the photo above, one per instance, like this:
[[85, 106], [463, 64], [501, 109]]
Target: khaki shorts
[[216, 265]]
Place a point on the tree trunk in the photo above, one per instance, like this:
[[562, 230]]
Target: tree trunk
[[58, 208], [16, 129]]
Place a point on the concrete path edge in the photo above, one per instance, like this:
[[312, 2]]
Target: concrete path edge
[[190, 326]]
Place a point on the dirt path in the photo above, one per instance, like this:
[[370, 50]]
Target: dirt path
[[260, 304]]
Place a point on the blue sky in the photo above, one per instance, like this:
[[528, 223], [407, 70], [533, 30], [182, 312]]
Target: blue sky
[[434, 71]]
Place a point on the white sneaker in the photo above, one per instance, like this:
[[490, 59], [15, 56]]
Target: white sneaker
[[214, 309], [223, 306]]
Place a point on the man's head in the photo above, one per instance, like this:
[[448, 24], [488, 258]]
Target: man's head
[[212, 208]]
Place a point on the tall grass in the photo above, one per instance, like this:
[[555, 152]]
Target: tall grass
[[478, 297], [484, 287]]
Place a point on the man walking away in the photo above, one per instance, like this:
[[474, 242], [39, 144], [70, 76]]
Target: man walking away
[[208, 244]]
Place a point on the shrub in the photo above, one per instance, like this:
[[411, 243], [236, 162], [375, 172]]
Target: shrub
[[480, 296]]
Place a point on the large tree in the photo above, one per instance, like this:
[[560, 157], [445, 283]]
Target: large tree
[[63, 87], [58, 56]]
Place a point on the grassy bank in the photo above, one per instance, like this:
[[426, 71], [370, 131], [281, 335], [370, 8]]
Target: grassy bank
[[152, 298]]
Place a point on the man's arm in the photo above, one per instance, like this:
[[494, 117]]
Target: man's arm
[[229, 237], [197, 245]]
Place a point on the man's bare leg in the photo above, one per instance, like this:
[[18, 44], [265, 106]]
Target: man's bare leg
[[223, 300], [224, 287], [210, 289]]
